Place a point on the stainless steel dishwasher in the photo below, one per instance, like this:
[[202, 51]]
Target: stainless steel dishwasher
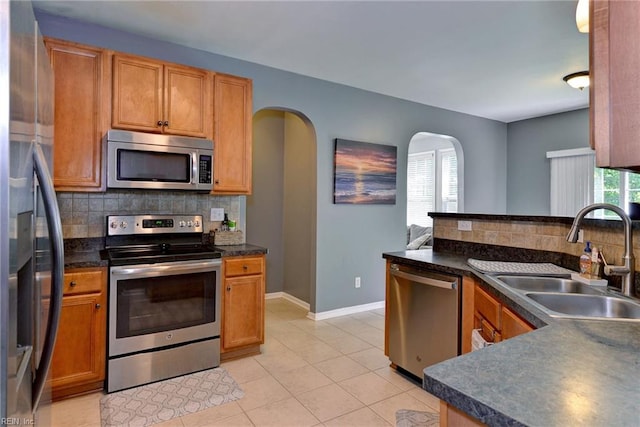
[[424, 318]]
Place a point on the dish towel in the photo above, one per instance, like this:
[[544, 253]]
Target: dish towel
[[477, 342]]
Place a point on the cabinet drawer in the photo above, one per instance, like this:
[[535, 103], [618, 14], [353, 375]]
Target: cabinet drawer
[[243, 266], [487, 306], [82, 282]]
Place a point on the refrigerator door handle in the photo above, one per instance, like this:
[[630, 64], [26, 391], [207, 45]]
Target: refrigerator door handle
[[57, 270]]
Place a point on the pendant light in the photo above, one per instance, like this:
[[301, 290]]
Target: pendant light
[[582, 16], [578, 80]]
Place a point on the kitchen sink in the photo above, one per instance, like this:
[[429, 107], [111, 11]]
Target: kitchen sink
[[547, 284], [591, 306], [563, 297]]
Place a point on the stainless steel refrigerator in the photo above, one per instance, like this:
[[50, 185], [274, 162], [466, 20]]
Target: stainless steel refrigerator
[[31, 249]]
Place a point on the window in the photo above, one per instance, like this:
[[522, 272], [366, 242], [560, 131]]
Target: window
[[615, 187], [576, 182], [449, 194], [432, 185], [420, 187]]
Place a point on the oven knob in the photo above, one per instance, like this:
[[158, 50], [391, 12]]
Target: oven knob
[[189, 224], [182, 224], [196, 223], [123, 224], [114, 224]]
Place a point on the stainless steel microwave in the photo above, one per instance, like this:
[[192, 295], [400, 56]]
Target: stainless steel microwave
[[158, 162]]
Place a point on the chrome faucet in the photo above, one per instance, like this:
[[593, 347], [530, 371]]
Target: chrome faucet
[[626, 270]]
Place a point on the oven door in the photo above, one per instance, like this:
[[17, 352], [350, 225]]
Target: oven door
[[153, 306]]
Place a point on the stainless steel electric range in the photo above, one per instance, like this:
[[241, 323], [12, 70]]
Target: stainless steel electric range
[[164, 299]]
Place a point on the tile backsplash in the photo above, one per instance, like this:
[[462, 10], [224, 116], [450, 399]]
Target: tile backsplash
[[547, 236], [83, 214]]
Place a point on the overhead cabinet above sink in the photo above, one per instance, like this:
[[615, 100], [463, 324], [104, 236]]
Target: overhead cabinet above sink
[[614, 56]]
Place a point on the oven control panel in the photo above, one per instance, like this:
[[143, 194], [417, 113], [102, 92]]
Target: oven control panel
[[121, 225]]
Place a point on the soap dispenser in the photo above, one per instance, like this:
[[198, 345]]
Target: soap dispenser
[[585, 261]]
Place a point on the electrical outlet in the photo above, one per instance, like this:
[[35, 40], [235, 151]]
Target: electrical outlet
[[217, 214], [358, 282], [465, 225]]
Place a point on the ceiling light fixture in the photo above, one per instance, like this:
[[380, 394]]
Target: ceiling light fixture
[[578, 80], [582, 16]]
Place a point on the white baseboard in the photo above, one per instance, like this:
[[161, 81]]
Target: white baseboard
[[325, 314], [288, 297], [345, 311]]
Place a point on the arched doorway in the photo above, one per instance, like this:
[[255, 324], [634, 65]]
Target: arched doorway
[[281, 212], [435, 177]]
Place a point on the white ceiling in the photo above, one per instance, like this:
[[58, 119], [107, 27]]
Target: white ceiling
[[502, 60]]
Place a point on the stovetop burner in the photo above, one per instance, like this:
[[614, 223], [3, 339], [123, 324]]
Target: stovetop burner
[[129, 256], [145, 239]]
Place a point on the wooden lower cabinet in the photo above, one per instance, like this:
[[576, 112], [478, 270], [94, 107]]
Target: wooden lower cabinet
[[513, 325], [242, 306], [78, 364], [451, 416]]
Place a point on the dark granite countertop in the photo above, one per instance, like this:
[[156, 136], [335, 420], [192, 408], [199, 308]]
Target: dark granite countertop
[[85, 252], [241, 250], [567, 372], [82, 253]]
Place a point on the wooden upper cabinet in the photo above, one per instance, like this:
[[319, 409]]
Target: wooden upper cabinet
[[614, 56], [233, 111], [152, 96], [81, 98]]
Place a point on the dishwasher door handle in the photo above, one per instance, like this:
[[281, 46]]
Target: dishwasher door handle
[[429, 281]]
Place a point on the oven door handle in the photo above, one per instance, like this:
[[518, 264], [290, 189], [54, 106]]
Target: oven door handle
[[166, 268]]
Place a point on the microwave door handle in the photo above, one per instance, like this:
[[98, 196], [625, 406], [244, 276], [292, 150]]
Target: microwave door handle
[[194, 168]]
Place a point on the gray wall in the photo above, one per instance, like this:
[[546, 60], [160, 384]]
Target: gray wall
[[299, 197], [349, 238], [264, 205], [528, 168]]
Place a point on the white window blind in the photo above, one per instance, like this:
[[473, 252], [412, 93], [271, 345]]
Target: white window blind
[[420, 188], [449, 195], [572, 183]]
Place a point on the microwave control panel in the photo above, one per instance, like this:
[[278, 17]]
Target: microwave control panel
[[205, 168]]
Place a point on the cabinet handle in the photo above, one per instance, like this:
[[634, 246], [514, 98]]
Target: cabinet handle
[[159, 122], [72, 284], [98, 306], [245, 267], [166, 123], [217, 181], [228, 288]]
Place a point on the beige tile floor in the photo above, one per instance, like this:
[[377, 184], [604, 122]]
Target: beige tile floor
[[310, 373]]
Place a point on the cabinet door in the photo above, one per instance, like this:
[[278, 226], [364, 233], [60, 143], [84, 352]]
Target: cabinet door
[[243, 322], [80, 350], [233, 134], [187, 102], [487, 307], [513, 325], [81, 93], [614, 93], [137, 94]]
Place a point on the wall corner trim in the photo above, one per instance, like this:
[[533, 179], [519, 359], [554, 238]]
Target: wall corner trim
[[345, 311], [288, 297]]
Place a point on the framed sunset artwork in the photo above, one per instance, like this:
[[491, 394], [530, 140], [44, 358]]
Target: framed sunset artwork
[[365, 173]]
